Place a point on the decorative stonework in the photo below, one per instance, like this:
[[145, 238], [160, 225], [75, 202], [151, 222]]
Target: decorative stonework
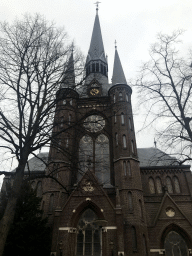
[[170, 212]]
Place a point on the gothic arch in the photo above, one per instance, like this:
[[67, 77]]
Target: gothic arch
[[88, 204], [177, 229]]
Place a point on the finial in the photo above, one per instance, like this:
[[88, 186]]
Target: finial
[[72, 47], [97, 6], [155, 143], [115, 44]]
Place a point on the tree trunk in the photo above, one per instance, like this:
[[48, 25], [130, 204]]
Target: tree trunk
[[9, 214]]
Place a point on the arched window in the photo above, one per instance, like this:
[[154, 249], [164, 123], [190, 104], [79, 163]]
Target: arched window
[[132, 147], [116, 139], [127, 97], [158, 185], [145, 246], [102, 161], [176, 185], [85, 155], [141, 209], [151, 186], [51, 203], [130, 202], [114, 98], [122, 119], [120, 96], [124, 141], [64, 102], [134, 238], [88, 235], [129, 168], [69, 119], [115, 118], [175, 245], [71, 102], [169, 184], [94, 155], [130, 125], [125, 168], [39, 189]]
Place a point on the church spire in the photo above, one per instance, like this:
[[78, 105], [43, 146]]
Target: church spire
[[69, 75], [96, 49], [118, 74]]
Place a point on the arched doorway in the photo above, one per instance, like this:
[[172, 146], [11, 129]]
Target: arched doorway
[[89, 235], [175, 245]]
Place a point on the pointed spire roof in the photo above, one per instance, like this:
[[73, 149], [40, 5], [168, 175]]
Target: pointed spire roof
[[118, 74], [96, 49], [69, 75]]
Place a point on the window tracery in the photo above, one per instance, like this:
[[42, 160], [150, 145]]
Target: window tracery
[[175, 245], [94, 155], [88, 235]]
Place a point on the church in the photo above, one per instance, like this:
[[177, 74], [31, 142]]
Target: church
[[107, 197]]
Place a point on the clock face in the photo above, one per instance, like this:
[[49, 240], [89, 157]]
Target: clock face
[[94, 123], [94, 91]]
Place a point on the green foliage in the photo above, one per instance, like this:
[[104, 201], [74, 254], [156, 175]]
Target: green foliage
[[28, 235]]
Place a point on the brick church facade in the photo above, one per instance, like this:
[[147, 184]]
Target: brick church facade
[[111, 198]]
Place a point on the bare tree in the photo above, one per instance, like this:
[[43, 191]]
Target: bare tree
[[33, 58], [165, 87]]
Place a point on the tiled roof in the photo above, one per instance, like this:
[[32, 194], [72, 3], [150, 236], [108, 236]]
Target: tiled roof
[[118, 74], [154, 157]]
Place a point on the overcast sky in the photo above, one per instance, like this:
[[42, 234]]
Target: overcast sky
[[134, 24]]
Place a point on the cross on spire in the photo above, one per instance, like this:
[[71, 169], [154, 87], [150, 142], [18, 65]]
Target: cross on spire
[[97, 5], [115, 44]]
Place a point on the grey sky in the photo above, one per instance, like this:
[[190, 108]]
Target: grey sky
[[134, 24]]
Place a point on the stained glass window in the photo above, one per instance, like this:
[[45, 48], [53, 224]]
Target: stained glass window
[[151, 186], [169, 184], [175, 245], [102, 164], [94, 155], [176, 184], [159, 185], [88, 235]]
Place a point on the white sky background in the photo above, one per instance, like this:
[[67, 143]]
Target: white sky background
[[134, 24]]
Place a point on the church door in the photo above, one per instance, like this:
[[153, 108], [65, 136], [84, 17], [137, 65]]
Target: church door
[[175, 245], [89, 242]]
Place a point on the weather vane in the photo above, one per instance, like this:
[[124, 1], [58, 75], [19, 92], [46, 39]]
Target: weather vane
[[115, 44], [97, 5]]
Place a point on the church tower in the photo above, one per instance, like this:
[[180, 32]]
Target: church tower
[[97, 206]]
